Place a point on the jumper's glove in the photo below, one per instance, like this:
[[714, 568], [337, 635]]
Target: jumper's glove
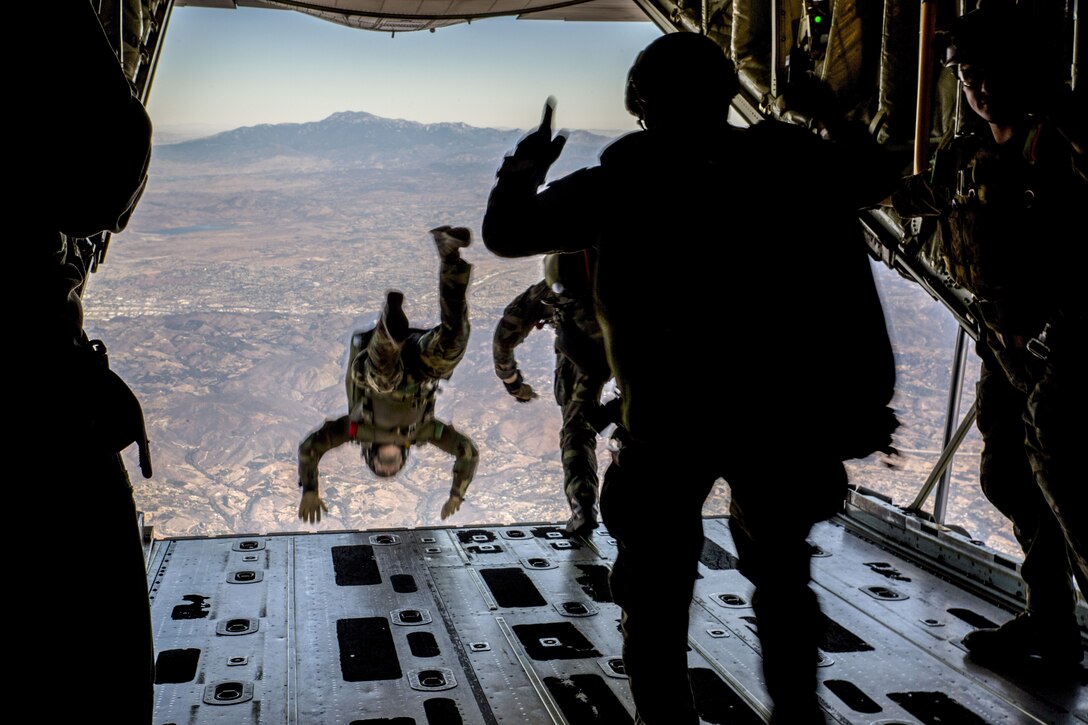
[[602, 416], [311, 507], [453, 503], [809, 101], [520, 389], [538, 150]]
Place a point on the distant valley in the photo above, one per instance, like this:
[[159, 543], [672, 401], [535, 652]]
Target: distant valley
[[228, 303]]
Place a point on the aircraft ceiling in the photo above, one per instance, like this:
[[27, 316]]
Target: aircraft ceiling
[[409, 15]]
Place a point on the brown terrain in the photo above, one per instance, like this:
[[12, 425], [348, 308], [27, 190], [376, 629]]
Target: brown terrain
[[228, 303]]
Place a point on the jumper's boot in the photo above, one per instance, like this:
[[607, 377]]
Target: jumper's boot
[[583, 517], [450, 241], [382, 367], [393, 318], [1028, 638]]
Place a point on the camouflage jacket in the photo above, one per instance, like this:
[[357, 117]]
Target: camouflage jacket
[[1005, 220], [578, 334], [404, 416]]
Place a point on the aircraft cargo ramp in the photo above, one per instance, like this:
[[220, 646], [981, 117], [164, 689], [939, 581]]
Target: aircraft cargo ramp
[[514, 624]]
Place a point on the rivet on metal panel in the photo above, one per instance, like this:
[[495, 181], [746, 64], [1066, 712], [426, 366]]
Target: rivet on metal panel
[[885, 593], [479, 646], [717, 633], [236, 661], [237, 626], [431, 678], [245, 576], [732, 600], [933, 622], [228, 691], [410, 617], [549, 642]]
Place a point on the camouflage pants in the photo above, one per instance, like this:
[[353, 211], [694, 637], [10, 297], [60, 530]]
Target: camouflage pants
[[1030, 472], [577, 393], [440, 348]]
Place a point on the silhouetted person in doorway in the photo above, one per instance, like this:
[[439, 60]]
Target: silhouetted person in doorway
[[716, 383], [1009, 199], [84, 149]]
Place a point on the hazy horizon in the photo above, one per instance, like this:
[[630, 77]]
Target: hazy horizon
[[167, 135], [229, 68]]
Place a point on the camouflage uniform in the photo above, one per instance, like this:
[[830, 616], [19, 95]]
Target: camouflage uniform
[[391, 387], [581, 372], [1005, 213]]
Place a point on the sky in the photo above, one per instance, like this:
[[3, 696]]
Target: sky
[[221, 69]]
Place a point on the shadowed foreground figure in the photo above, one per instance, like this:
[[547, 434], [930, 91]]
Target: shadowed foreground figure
[[1009, 198], [683, 215], [85, 148], [392, 381], [564, 301]]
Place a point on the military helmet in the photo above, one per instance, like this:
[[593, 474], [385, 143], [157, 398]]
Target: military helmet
[[1003, 45], [997, 33], [369, 455], [976, 36], [679, 75]]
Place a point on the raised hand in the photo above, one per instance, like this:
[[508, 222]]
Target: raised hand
[[538, 150]]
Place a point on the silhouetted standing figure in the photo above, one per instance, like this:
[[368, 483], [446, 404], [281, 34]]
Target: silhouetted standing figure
[[392, 383], [1009, 201], [84, 148], [680, 215], [564, 301]]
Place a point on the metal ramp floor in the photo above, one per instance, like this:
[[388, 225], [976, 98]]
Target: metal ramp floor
[[515, 624]]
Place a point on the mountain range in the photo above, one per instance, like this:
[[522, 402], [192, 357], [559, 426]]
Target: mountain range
[[355, 139]]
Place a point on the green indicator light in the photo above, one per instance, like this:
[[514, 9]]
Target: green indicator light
[[817, 18]]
